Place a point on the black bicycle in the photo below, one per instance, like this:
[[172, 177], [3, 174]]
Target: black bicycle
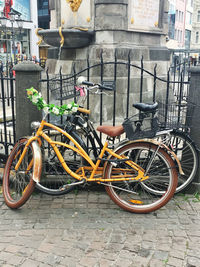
[[140, 126]]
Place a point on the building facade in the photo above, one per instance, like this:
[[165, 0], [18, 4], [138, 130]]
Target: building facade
[[195, 35], [188, 23], [180, 23], [43, 14], [17, 42]]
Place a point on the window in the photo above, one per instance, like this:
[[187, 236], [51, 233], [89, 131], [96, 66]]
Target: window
[[181, 36], [198, 16], [177, 15], [197, 38]]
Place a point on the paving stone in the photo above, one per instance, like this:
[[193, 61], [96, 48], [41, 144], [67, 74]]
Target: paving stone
[[161, 255], [156, 263], [192, 262], [87, 261], [175, 262], [71, 231], [32, 263]]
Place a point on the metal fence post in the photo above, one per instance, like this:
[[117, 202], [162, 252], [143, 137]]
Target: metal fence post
[[27, 76], [194, 112]]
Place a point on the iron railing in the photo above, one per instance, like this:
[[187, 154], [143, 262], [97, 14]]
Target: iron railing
[[7, 114], [174, 86]]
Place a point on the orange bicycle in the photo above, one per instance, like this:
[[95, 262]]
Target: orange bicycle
[[124, 180]]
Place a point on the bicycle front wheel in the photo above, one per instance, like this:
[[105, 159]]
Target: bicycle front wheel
[[132, 195], [19, 185]]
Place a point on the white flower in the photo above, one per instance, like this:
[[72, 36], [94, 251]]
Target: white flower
[[74, 109], [44, 102], [55, 111], [46, 110], [66, 112], [35, 99], [69, 106]]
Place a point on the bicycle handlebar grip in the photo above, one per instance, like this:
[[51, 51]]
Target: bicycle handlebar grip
[[100, 86], [105, 87], [88, 83], [84, 110]]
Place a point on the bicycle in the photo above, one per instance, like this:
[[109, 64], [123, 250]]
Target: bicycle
[[178, 141], [123, 179]]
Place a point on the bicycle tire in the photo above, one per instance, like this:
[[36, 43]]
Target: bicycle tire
[[143, 201], [19, 185], [186, 151], [54, 177]]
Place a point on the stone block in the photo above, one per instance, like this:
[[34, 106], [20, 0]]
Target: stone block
[[104, 37], [51, 65], [110, 10], [159, 53], [124, 2], [127, 37], [80, 65], [110, 23], [150, 39], [68, 54], [65, 66], [82, 53], [53, 53], [111, 16], [162, 67]]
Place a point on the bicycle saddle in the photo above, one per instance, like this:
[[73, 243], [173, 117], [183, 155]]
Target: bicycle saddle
[[146, 107], [111, 131]]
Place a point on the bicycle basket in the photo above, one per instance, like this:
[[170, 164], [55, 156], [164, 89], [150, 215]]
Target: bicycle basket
[[137, 128], [175, 115], [63, 87]]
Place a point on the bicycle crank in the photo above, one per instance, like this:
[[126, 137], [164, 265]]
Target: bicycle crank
[[66, 186]]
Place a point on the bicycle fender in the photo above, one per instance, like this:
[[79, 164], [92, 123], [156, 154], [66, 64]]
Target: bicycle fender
[[152, 141], [37, 168], [176, 158]]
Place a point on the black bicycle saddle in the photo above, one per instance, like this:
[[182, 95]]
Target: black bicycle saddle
[[146, 107]]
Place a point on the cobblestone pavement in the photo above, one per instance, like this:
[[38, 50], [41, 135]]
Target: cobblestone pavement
[[87, 229]]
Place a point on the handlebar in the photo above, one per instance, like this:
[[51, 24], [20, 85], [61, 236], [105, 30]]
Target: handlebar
[[83, 110], [97, 85]]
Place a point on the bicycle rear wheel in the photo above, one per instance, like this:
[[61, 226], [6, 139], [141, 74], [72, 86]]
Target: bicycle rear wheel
[[19, 185], [132, 195]]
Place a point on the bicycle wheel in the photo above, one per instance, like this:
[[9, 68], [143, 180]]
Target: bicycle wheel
[[132, 195], [19, 185], [54, 179], [185, 149]]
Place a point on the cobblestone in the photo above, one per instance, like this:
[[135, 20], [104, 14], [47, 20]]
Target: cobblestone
[[87, 229]]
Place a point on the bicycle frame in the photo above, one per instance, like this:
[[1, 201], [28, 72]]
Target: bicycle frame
[[94, 168]]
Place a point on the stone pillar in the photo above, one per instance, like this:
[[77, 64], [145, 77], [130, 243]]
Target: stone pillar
[[193, 114], [27, 76], [111, 15]]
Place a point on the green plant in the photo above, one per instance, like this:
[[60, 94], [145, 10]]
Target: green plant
[[197, 197]]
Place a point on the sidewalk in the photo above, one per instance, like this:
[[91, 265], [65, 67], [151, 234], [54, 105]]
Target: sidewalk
[[87, 229]]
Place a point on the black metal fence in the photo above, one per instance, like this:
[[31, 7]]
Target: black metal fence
[[131, 81], [7, 114], [173, 87], [6, 68]]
